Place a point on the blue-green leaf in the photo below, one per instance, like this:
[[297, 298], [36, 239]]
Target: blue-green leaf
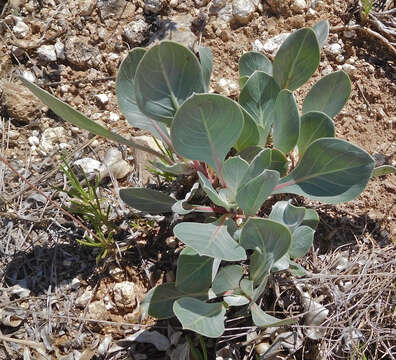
[[263, 320], [227, 279], [383, 170], [329, 94], [254, 61], [321, 30], [302, 241], [314, 125], [234, 170], [288, 214], [148, 200], [251, 133], [206, 60], [286, 122], [297, 59], [331, 170], [166, 76], [212, 193]]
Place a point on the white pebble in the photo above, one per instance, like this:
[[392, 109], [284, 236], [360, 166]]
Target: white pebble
[[103, 98], [340, 58], [47, 53], [20, 29], [113, 117], [257, 46], [33, 140], [334, 49], [348, 68]]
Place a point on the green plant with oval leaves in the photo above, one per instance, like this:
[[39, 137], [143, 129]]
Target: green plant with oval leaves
[[228, 259]]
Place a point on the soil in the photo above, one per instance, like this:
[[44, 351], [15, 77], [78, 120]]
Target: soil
[[73, 308]]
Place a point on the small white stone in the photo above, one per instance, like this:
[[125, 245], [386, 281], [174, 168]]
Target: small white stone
[[96, 116], [60, 50], [35, 133], [333, 49], [89, 165], [20, 29], [173, 3], [33, 140], [154, 6], [64, 89], [327, 70], [351, 60], [13, 134], [64, 146], [272, 45], [51, 137], [227, 87], [340, 58], [299, 6], [243, 10], [113, 117], [112, 156], [47, 53], [311, 12], [370, 68], [113, 56], [95, 143], [28, 75], [102, 98], [349, 68], [75, 284], [257, 46], [349, 34]]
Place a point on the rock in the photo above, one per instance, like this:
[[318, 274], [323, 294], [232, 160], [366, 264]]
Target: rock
[[111, 9], [262, 348], [13, 134], [173, 3], [340, 58], [46, 53], [216, 6], [20, 29], [50, 137], [299, 6], [83, 300], [257, 46], [272, 45], [20, 103], [97, 310], [176, 29], [33, 140], [86, 7], [113, 117], [89, 165], [103, 99], [226, 87], [135, 32], [200, 3], [327, 70], [225, 14], [75, 284], [333, 49], [124, 295], [78, 52], [28, 75], [153, 6], [242, 10], [60, 50], [349, 68]]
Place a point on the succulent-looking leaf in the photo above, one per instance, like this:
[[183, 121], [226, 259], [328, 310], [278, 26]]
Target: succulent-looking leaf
[[314, 125], [175, 169], [250, 153], [258, 98], [182, 207], [311, 219], [321, 30], [251, 133], [287, 214], [331, 170], [234, 170], [166, 76], [329, 94], [258, 266], [383, 170], [247, 287], [148, 200], [250, 196], [160, 300], [205, 319], [259, 290], [206, 59], [227, 279], [262, 319], [266, 234], [242, 81], [271, 159], [286, 122], [210, 239], [236, 300], [302, 241], [282, 264], [76, 118], [297, 59], [194, 272], [125, 88], [215, 268], [254, 61], [211, 192], [206, 127], [297, 269]]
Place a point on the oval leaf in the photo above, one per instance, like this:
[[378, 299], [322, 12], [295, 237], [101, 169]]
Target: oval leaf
[[125, 88], [383, 170], [258, 98], [194, 272], [148, 200], [206, 59], [288, 214], [160, 300], [250, 196], [206, 127], [167, 75], [251, 134], [302, 241], [286, 122], [329, 94], [321, 30], [258, 266], [314, 125], [272, 236], [297, 59], [236, 300], [210, 239], [252, 61], [205, 319], [211, 192], [331, 170], [234, 170], [311, 219], [227, 279], [262, 319]]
